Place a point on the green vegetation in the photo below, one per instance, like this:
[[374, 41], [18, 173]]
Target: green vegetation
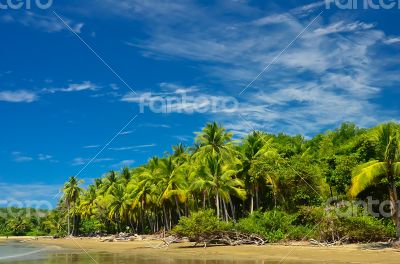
[[273, 186]]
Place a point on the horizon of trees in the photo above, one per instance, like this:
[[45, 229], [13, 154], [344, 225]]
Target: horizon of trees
[[235, 178]]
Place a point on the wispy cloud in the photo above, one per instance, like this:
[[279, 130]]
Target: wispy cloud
[[183, 138], [122, 164], [132, 147], [180, 99], [126, 132], [82, 161], [392, 40], [27, 193], [332, 73], [342, 26], [48, 22], [19, 96], [152, 125], [73, 87], [20, 157], [91, 146]]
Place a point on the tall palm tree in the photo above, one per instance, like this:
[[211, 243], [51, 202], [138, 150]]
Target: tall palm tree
[[88, 202], [72, 191], [120, 205], [214, 139], [125, 176], [220, 176], [108, 182], [143, 188], [171, 183], [386, 166], [254, 146]]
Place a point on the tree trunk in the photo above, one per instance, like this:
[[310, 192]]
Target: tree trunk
[[232, 208], [69, 221], [217, 203], [204, 199], [257, 197], [73, 221], [394, 207], [252, 203], [170, 218], [165, 218], [177, 207], [225, 210]]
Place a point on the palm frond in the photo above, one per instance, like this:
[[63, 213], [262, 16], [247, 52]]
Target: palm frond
[[366, 176]]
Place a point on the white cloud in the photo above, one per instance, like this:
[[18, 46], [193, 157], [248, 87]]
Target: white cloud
[[132, 147], [91, 146], [154, 125], [180, 99], [126, 132], [46, 157], [25, 194], [19, 96], [82, 161], [332, 72], [392, 40], [341, 27], [273, 19], [183, 138], [73, 87], [122, 164], [48, 23], [20, 157]]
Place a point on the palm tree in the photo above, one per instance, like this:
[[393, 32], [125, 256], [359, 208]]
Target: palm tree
[[71, 192], [220, 176], [108, 182], [254, 146], [171, 183], [126, 175], [214, 139], [386, 166], [120, 205], [88, 202]]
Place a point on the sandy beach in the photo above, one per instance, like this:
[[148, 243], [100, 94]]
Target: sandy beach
[[363, 253]]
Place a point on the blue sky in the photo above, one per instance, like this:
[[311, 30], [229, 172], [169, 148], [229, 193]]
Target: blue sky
[[74, 75]]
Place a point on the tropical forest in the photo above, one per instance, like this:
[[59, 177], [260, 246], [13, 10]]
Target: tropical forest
[[276, 186]]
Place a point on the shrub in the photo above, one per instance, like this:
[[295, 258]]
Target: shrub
[[330, 226], [272, 225], [91, 226], [200, 225]]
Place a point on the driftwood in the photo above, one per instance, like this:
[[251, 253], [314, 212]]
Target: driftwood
[[336, 242], [121, 237], [230, 239]]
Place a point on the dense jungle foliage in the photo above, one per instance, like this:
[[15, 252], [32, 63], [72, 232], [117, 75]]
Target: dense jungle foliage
[[273, 185]]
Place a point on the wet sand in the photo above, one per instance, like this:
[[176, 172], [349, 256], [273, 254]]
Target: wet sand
[[363, 253]]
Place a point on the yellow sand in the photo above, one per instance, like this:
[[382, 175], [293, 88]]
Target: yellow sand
[[303, 252]]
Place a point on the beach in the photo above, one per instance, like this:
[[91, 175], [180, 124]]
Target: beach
[[292, 252]]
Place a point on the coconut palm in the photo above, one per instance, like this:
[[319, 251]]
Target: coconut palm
[[108, 182], [171, 183], [386, 166], [120, 205], [219, 175], [71, 191], [255, 145], [88, 202], [125, 176], [214, 139]]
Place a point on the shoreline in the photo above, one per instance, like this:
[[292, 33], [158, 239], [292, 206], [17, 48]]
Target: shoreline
[[350, 253]]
